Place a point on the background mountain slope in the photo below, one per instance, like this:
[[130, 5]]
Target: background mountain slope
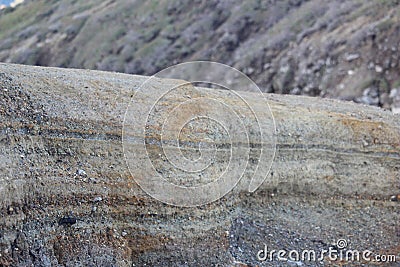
[[340, 49]]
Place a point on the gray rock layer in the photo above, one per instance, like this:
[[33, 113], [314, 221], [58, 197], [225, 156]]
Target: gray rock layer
[[69, 199]]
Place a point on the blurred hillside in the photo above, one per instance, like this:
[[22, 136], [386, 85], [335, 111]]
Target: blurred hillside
[[340, 49]]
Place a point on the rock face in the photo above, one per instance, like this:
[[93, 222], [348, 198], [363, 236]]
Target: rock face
[[69, 199]]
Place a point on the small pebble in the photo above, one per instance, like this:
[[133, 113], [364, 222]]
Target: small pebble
[[378, 69], [81, 172], [97, 199], [395, 197], [93, 180]]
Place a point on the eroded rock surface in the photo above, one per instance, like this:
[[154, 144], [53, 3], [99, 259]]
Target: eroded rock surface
[[67, 197]]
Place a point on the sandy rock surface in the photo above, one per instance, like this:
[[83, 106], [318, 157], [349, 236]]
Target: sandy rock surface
[[67, 197]]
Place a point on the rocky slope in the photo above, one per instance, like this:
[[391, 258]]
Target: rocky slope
[[339, 49], [69, 199]]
